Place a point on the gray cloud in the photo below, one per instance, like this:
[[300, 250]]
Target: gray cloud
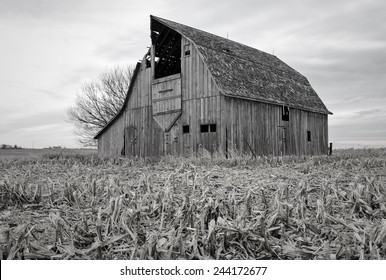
[[376, 112], [36, 8], [21, 122]]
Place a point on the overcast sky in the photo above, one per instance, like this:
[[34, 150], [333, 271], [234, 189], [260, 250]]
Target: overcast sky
[[50, 48]]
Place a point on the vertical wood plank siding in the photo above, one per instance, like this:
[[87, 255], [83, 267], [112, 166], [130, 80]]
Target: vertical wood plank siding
[[200, 105], [200, 102], [261, 125]]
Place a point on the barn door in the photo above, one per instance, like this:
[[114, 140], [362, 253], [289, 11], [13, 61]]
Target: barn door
[[283, 140], [172, 140], [130, 140], [283, 132]]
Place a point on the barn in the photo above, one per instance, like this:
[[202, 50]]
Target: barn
[[194, 90]]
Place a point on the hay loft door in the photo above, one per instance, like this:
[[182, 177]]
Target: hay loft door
[[166, 99], [166, 65]]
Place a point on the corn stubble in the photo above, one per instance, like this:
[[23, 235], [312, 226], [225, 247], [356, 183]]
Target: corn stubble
[[85, 207]]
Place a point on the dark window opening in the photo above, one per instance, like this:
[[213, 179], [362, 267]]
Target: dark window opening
[[208, 128], [204, 128], [185, 129], [167, 49], [148, 60], [308, 136], [285, 113], [187, 50]]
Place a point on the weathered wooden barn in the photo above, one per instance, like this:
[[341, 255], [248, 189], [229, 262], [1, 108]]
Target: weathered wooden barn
[[195, 90]]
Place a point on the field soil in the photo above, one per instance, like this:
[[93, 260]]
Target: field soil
[[73, 205]]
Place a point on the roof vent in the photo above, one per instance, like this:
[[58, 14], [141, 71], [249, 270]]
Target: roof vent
[[226, 50]]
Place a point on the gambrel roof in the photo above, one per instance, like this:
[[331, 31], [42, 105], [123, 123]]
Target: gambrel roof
[[244, 72]]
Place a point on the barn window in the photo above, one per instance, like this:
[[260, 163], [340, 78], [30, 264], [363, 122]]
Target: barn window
[[208, 128], [204, 128], [148, 59], [285, 113], [187, 50], [185, 129], [308, 136]]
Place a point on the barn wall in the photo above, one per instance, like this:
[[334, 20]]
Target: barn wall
[[110, 142], [250, 125], [200, 102], [302, 121], [148, 136]]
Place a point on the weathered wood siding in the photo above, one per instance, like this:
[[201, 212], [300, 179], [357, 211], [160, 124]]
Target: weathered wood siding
[[111, 141], [166, 100], [145, 137], [200, 101], [251, 125], [200, 104], [148, 137], [241, 124]]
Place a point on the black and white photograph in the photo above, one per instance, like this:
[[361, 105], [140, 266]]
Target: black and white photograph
[[193, 139]]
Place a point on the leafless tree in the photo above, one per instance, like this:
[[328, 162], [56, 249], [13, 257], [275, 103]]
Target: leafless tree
[[99, 102]]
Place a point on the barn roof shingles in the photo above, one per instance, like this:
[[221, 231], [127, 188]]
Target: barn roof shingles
[[244, 72]]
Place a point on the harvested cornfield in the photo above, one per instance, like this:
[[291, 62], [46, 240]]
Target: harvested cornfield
[[84, 207]]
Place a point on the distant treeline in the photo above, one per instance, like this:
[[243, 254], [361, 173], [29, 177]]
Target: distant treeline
[[5, 146], [8, 147]]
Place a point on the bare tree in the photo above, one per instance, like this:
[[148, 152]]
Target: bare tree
[[99, 102]]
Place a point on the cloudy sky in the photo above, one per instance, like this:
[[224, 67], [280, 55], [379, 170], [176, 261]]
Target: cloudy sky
[[50, 48]]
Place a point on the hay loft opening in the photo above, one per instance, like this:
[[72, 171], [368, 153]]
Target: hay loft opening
[[167, 50]]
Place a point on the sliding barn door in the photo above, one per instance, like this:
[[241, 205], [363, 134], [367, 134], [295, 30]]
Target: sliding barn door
[[130, 141]]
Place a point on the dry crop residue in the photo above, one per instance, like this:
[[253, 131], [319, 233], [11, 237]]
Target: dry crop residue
[[85, 207]]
